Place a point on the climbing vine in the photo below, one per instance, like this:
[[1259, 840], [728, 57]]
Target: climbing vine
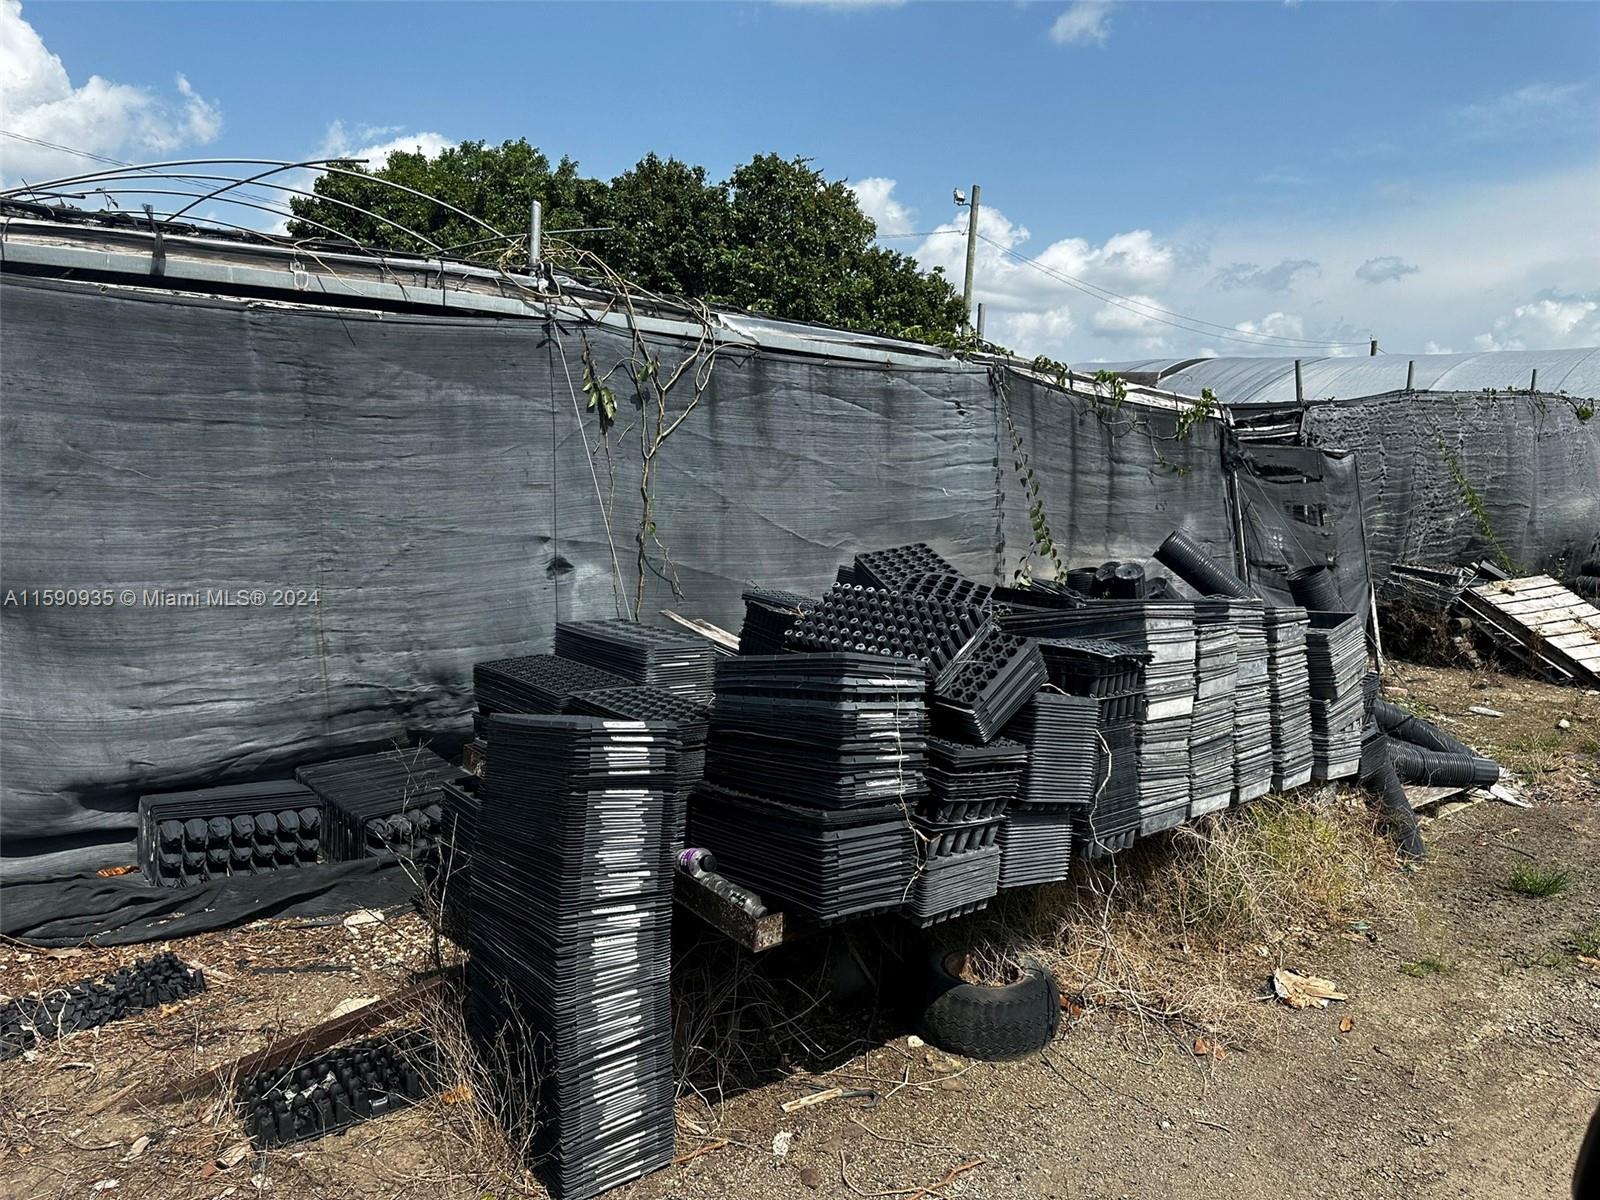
[[1041, 542], [661, 393], [1474, 503]]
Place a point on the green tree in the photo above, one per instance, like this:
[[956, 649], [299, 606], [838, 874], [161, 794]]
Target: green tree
[[776, 237]]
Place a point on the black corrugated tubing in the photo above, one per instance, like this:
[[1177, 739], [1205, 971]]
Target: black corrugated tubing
[[1183, 556]]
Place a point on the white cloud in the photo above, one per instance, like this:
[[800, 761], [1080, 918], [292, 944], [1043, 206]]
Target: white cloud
[[1275, 324], [115, 120], [1120, 323], [1515, 109], [1548, 322], [1124, 262], [1433, 347], [1084, 23], [1515, 261], [340, 142], [1032, 333], [1385, 269], [1280, 278], [876, 198]]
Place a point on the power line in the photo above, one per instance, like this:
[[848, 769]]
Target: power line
[[1166, 316]]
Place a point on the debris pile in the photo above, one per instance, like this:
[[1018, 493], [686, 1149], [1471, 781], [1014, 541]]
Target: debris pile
[[148, 983], [334, 1090]]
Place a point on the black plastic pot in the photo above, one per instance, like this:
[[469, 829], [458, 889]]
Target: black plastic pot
[[1183, 556]]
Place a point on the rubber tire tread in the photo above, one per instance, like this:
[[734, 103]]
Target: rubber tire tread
[[990, 1023]]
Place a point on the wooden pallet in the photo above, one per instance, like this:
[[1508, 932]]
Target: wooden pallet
[[1552, 629]]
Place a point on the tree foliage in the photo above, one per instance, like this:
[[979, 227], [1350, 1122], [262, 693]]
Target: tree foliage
[[775, 237]]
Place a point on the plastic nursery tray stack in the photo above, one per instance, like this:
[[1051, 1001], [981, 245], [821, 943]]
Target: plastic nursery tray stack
[[821, 730], [241, 829], [1211, 723], [829, 864], [1289, 689], [450, 877], [987, 684], [1165, 630], [691, 721], [383, 803], [1111, 674], [897, 625], [1336, 663], [337, 1089], [769, 613], [1252, 704], [892, 567], [539, 683], [969, 790], [1061, 734], [813, 763], [952, 589], [673, 660], [161, 979], [571, 942]]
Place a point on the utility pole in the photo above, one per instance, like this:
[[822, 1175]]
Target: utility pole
[[1374, 351], [980, 331], [972, 251], [535, 236]]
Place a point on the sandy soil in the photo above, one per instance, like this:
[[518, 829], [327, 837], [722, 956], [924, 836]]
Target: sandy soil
[[1464, 1062]]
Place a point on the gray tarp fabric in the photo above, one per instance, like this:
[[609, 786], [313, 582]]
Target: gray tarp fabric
[[1529, 473], [443, 487], [444, 491], [1301, 507]]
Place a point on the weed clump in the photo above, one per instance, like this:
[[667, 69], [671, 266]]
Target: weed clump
[[1531, 879]]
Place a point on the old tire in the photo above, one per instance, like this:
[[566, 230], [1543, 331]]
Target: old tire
[[989, 1023]]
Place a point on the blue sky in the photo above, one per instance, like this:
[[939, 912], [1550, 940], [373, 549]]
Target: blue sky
[[1285, 174]]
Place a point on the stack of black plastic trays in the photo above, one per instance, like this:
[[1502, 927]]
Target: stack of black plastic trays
[[673, 660], [241, 829], [691, 721], [1164, 739], [1336, 663], [898, 625], [539, 683], [1111, 674], [1211, 723], [969, 789], [569, 979], [451, 881], [891, 567], [1061, 733], [813, 766], [1289, 689], [769, 613], [1252, 704], [383, 803], [987, 683]]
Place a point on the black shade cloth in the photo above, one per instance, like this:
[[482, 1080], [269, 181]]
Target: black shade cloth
[[124, 910]]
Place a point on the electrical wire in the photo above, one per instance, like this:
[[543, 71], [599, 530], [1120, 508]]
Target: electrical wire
[[1166, 316]]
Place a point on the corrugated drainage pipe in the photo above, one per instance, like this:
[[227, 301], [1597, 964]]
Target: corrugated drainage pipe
[[1402, 822], [1313, 588], [1182, 555], [1408, 727], [1415, 765]]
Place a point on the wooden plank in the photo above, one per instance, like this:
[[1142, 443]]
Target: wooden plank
[[753, 933], [714, 634], [1512, 587], [1425, 797], [1515, 600], [1538, 610], [311, 1041]]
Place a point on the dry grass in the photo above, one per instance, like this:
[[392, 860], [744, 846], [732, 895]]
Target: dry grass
[[1184, 927]]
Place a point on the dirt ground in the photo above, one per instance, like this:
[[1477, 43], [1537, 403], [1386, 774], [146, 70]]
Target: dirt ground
[[1465, 1062]]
